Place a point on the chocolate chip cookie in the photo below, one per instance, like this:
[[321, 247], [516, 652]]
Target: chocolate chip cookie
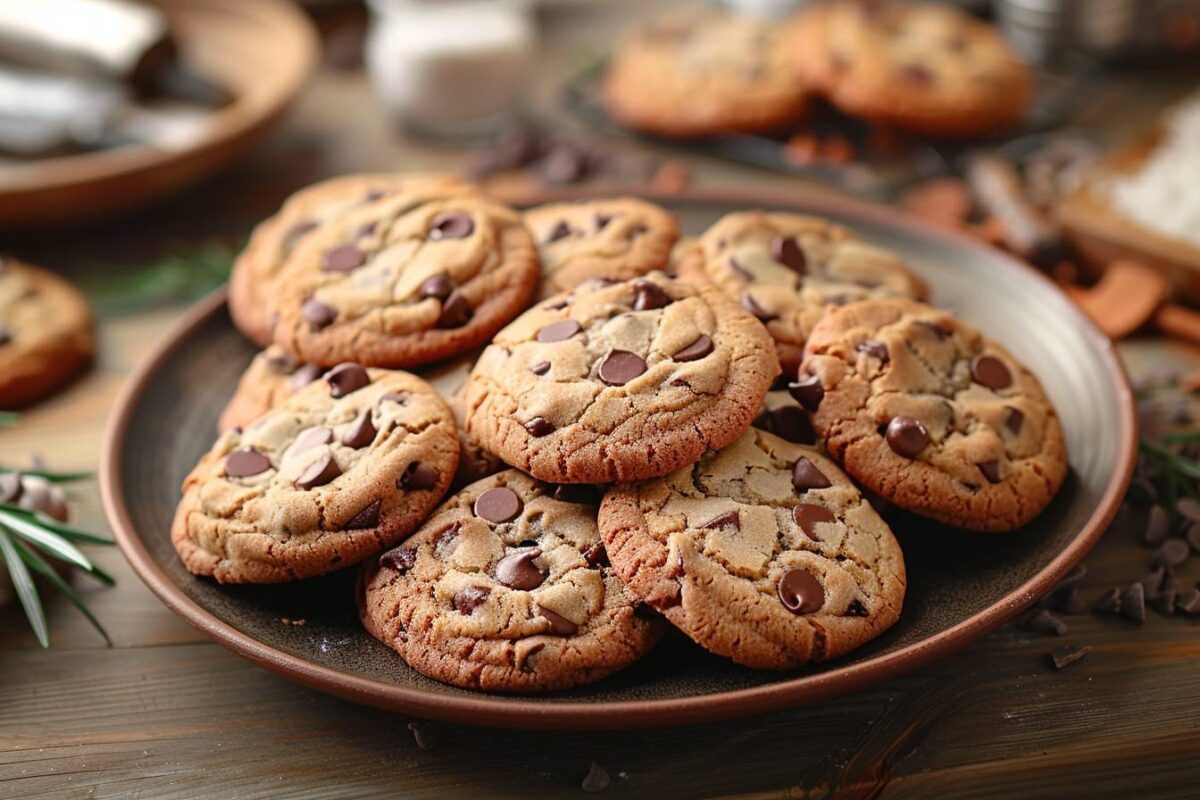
[[46, 333], [764, 552], [343, 469], [273, 376], [923, 410], [787, 269], [507, 589], [620, 381], [418, 275], [701, 72], [927, 68], [617, 239]]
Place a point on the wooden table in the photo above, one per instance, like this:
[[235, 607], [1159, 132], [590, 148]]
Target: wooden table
[[166, 713]]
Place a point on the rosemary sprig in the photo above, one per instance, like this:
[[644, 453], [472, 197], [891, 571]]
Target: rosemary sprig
[[8, 418], [53, 477], [182, 276]]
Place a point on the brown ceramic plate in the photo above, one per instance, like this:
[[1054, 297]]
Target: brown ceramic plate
[[961, 585], [260, 50]]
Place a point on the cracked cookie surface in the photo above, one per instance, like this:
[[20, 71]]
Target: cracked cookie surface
[[46, 332], [506, 588], [415, 276], [787, 269], [620, 381], [618, 239], [920, 408], [343, 469], [763, 552], [272, 377]]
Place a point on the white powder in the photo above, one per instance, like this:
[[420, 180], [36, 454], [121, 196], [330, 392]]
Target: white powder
[[1164, 195]]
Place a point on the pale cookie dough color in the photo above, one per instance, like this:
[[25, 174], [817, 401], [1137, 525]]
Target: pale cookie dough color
[[272, 377], [619, 382], [927, 68], [921, 409], [702, 72], [507, 588], [787, 269], [416, 276], [616, 239], [764, 552], [46, 333], [345, 468]]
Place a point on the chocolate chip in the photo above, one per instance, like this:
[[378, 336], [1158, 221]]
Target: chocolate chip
[[800, 592], [907, 436], [307, 440], [1188, 601], [418, 477], [346, 378], [648, 296], [318, 314], [808, 392], [791, 423], [539, 426], [1133, 603], [1045, 622], [1171, 553], [497, 505], [730, 519], [787, 251], [282, 363], [367, 517], [1068, 654], [559, 625], [439, 286], [990, 470], [558, 331], [468, 599], [603, 219], [304, 375], [874, 349], [621, 367], [246, 462], [456, 311], [1188, 508], [696, 350], [1141, 492], [596, 780], [540, 368], [1152, 584], [805, 476], [10, 487], [343, 258], [1015, 420], [319, 473], [856, 608], [596, 556], [808, 515], [991, 372], [38, 494], [1109, 602], [446, 540], [751, 305], [451, 225], [361, 432], [401, 559], [583, 493], [1158, 526], [739, 270], [561, 230], [517, 570]]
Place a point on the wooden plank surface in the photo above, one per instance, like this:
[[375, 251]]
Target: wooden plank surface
[[165, 713]]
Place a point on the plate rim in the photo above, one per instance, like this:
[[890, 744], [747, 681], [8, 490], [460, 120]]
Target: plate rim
[[531, 712]]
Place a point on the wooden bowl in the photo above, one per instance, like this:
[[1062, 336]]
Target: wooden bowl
[[260, 50]]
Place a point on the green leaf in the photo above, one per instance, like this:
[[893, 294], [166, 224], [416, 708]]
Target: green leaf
[[1179, 438], [179, 277], [40, 566], [55, 545], [53, 477], [26, 591], [8, 418], [1175, 463], [65, 531]]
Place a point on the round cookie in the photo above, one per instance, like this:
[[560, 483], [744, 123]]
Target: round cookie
[[620, 381], [921, 409], [46, 333], [618, 239], [701, 72], [927, 68], [507, 589], [764, 552], [787, 269], [272, 377], [416, 276], [345, 468]]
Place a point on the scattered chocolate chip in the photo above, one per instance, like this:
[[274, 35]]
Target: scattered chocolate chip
[[558, 331], [456, 311], [561, 230], [1015, 420], [1158, 526], [1188, 601], [696, 350], [791, 423], [497, 505], [540, 368], [417, 477], [319, 473], [596, 556], [307, 440], [751, 305], [800, 592], [1164, 602], [596, 780], [1152, 583], [621, 367], [788, 252], [1045, 622], [424, 735], [1133, 603], [401, 559], [740, 271], [907, 436], [346, 378], [990, 470], [517, 570], [809, 515], [1142, 492], [366, 517], [343, 258], [318, 314], [805, 476], [559, 625], [1109, 603], [583, 493], [808, 392], [439, 286], [539, 426], [468, 599], [874, 349], [1188, 508], [991, 372], [1068, 654], [304, 375], [1171, 553], [246, 462], [730, 519], [361, 432], [648, 295], [451, 225]]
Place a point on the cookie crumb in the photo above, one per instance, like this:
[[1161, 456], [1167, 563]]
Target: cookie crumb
[[1065, 656], [424, 734], [597, 779]]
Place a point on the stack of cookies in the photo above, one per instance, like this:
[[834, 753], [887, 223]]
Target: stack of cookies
[[624, 454]]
